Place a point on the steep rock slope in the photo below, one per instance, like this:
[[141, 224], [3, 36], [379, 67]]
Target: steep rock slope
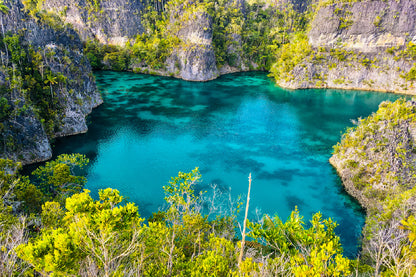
[[112, 22], [192, 40], [118, 22], [376, 161], [46, 84], [359, 45], [194, 57]]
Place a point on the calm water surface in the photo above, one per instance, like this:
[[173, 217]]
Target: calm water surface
[[149, 128]]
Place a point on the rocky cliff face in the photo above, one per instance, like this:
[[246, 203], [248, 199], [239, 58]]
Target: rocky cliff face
[[373, 38], [120, 22], [373, 35], [117, 22], [365, 26], [112, 22], [194, 58], [376, 162], [375, 159], [64, 83]]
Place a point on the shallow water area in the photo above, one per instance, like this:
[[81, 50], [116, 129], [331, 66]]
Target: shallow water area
[[151, 127]]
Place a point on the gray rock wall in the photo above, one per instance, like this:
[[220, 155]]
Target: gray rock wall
[[195, 55], [375, 161], [113, 22], [365, 29], [371, 25], [62, 52]]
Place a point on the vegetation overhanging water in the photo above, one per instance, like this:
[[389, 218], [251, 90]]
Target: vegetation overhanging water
[[151, 127]]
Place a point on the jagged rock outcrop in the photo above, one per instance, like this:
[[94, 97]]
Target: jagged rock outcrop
[[377, 157], [370, 39], [117, 22], [120, 21], [113, 22], [365, 26], [30, 142], [194, 58], [59, 52], [375, 161]]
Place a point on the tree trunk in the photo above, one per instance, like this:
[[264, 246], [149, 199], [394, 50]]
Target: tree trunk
[[243, 240]]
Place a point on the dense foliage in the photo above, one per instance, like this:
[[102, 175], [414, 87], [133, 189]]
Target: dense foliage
[[367, 148], [30, 86], [243, 35], [82, 236], [107, 236], [376, 160]]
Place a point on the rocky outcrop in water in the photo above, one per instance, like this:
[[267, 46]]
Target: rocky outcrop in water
[[376, 157], [47, 86], [360, 45], [375, 161], [194, 58], [120, 22]]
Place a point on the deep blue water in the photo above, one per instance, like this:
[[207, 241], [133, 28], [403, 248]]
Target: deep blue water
[[150, 127]]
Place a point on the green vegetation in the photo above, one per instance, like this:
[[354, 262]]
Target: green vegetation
[[277, 25], [376, 161], [241, 40], [331, 2], [74, 234], [102, 56], [35, 9], [30, 86], [377, 21], [372, 138], [152, 48], [227, 30], [291, 55], [55, 181], [411, 75], [344, 16], [408, 54], [148, 51], [21, 204], [107, 237]]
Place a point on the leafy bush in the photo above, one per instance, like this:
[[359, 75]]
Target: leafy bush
[[291, 55]]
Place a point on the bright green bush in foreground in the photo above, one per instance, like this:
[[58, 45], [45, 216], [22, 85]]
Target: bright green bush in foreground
[[108, 237], [82, 236]]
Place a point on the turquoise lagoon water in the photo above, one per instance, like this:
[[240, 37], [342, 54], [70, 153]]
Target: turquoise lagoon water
[[150, 127]]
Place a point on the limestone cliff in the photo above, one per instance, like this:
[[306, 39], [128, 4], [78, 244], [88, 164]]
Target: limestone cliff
[[112, 22], [46, 84], [375, 161], [194, 57], [376, 158], [217, 38], [360, 45]]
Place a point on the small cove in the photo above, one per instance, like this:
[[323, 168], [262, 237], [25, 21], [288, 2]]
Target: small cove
[[151, 127]]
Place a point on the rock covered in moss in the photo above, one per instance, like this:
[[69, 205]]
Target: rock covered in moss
[[376, 162], [359, 45], [376, 158]]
